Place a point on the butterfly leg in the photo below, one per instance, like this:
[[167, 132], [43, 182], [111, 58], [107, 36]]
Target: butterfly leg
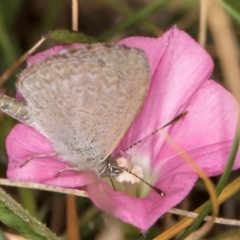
[[67, 169], [37, 156]]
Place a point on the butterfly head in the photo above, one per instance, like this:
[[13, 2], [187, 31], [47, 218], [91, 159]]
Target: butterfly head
[[109, 168]]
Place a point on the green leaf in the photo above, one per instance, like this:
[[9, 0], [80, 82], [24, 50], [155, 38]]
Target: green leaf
[[66, 36], [14, 216]]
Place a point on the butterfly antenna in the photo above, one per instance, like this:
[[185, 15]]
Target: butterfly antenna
[[157, 190], [180, 116]]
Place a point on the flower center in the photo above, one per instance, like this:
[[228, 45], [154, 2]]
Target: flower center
[[132, 181]]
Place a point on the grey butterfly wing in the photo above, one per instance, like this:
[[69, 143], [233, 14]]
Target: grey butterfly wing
[[85, 99]]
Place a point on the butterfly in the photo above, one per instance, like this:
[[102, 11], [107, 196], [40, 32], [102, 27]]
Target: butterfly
[[83, 100]]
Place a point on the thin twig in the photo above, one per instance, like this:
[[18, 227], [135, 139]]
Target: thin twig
[[44, 187], [225, 221], [75, 15], [204, 7]]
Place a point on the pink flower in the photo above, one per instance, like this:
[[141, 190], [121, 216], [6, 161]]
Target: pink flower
[[180, 71]]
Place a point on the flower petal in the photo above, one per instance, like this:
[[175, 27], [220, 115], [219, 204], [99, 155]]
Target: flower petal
[[206, 140], [24, 142], [140, 212], [180, 69], [210, 124], [179, 66], [206, 132]]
